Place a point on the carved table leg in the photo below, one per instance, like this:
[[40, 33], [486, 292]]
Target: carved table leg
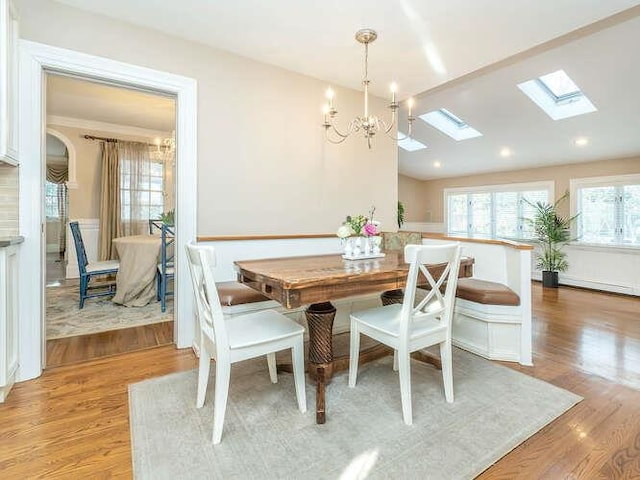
[[320, 318]]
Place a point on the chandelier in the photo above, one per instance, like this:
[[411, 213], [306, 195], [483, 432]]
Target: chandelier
[[368, 124]]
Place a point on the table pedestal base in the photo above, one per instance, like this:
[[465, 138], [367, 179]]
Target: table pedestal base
[[322, 364]]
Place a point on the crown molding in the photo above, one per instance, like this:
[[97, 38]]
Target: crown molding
[[106, 127]]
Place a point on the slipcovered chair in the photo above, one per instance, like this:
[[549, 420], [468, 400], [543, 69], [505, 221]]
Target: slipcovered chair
[[233, 339], [420, 321], [89, 270]]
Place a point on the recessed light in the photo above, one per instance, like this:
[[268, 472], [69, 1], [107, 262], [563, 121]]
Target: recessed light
[[505, 152], [437, 164], [581, 141]]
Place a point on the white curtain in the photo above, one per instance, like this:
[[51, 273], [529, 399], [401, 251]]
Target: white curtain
[[137, 187]]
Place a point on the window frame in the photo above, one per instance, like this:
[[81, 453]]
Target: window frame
[[548, 185], [617, 181]]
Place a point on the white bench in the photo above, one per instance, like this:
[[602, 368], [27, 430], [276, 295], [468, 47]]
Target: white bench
[[492, 316]]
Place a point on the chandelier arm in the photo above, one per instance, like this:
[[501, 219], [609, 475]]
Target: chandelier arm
[[335, 142], [339, 133]]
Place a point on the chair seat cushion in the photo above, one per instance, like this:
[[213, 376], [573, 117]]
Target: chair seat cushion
[[386, 319], [485, 292], [170, 270], [260, 327], [234, 293], [105, 265]]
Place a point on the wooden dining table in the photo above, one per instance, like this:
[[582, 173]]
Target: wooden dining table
[[317, 280]]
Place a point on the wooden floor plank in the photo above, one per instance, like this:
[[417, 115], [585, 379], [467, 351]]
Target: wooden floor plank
[[73, 422]]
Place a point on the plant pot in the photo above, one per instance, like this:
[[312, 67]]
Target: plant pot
[[549, 279]]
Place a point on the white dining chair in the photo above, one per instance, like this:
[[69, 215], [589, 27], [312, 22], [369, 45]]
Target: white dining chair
[[423, 319], [231, 340]]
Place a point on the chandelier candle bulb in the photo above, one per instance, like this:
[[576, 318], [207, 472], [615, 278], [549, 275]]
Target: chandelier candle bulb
[[368, 125], [330, 95]]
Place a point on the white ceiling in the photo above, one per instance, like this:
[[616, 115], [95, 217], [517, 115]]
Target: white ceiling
[[98, 102], [425, 45]]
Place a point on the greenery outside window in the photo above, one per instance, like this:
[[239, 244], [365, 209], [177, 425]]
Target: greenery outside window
[[609, 210], [494, 210]]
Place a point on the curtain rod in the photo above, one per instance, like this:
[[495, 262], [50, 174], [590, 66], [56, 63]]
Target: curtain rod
[[115, 140]]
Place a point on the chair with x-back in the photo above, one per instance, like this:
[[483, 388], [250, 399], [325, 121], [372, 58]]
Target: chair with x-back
[[233, 339], [89, 270], [166, 269], [422, 319]]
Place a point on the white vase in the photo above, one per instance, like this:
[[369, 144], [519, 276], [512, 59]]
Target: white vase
[[375, 242], [366, 246], [348, 247], [357, 246]]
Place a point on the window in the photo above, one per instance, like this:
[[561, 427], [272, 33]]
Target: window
[[557, 95], [51, 209], [450, 124], [143, 182], [409, 144], [609, 210], [495, 211]]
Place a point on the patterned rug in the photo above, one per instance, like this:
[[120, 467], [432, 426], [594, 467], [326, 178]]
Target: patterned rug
[[65, 319]]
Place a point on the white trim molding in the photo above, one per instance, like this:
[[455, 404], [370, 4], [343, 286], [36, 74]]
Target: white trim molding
[[35, 60], [71, 152], [106, 127]]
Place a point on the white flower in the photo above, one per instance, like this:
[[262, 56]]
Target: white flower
[[344, 231]]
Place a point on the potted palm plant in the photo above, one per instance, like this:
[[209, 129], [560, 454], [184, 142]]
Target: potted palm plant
[[553, 231]]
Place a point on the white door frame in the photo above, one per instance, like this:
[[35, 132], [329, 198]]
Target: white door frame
[[35, 59]]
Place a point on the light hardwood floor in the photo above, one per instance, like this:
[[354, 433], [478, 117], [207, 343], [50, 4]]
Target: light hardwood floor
[[73, 421]]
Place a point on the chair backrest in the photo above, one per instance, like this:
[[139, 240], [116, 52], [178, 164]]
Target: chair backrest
[[202, 260], [166, 246], [80, 251], [435, 303], [155, 224]]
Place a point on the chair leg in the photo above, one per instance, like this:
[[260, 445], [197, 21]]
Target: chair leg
[[158, 277], [83, 291], [447, 369], [271, 362], [297, 359], [163, 294], [223, 372], [354, 354], [405, 386], [203, 375], [395, 360]]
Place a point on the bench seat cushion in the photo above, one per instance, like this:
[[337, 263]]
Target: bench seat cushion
[[234, 293], [485, 292]]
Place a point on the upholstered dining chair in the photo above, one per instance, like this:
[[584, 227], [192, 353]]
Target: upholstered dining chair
[[89, 270], [233, 339], [423, 319], [166, 269]]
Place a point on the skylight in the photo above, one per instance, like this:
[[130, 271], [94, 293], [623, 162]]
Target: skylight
[[409, 144], [559, 85], [557, 95], [450, 124]]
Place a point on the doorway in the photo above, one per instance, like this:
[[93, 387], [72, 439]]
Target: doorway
[[35, 60], [87, 115]]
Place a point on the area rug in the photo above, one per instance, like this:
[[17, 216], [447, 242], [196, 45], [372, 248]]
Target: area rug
[[65, 319], [265, 436]]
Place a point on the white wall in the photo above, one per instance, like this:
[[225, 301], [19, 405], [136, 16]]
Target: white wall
[[263, 165]]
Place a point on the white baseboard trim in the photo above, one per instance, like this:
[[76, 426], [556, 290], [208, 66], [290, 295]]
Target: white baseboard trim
[[573, 281]]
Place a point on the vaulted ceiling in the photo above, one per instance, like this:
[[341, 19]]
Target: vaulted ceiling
[[463, 55]]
